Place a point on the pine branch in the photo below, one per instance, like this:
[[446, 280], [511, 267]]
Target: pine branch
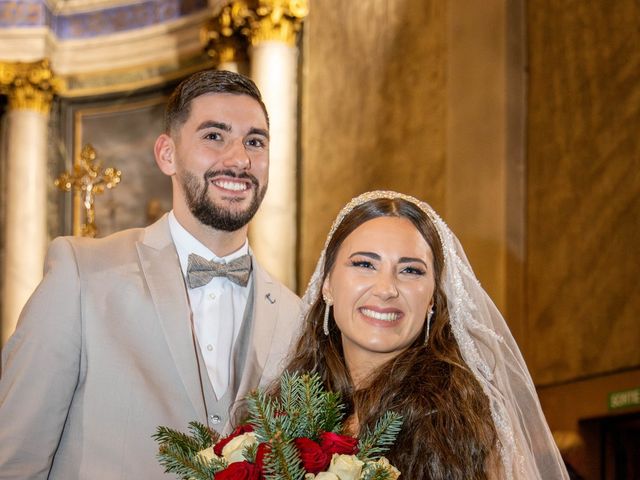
[[332, 413], [204, 435], [312, 402], [373, 444], [187, 465], [169, 436], [262, 413], [288, 398], [283, 461], [249, 452]]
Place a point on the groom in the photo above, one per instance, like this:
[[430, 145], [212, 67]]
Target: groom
[[140, 329]]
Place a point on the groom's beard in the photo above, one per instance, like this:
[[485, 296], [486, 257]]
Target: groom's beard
[[217, 216]]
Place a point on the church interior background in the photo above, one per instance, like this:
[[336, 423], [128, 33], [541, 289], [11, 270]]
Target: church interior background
[[517, 120]]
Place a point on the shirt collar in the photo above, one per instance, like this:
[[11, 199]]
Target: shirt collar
[[186, 243]]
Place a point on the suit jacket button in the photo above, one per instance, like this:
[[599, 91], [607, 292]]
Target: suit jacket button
[[215, 419]]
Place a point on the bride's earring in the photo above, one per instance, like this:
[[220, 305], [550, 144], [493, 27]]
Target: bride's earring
[[429, 315], [325, 322]]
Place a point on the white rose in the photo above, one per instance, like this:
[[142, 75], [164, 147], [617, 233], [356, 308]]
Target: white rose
[[383, 462], [232, 451], [207, 454], [326, 476], [346, 467]]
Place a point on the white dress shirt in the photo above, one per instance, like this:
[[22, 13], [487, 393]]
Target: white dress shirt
[[217, 308]]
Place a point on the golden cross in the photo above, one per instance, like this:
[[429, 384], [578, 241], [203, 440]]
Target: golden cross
[[86, 181]]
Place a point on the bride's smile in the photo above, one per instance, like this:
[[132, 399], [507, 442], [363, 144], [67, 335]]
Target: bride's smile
[[385, 315]]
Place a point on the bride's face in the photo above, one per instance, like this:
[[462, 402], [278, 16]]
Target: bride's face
[[381, 285]]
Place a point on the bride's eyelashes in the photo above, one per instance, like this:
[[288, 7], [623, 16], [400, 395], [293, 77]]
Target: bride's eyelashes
[[412, 270], [361, 263], [409, 269]]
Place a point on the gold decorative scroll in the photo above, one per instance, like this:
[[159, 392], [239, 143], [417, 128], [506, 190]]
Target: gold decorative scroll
[[29, 86], [86, 181], [225, 36], [278, 20]]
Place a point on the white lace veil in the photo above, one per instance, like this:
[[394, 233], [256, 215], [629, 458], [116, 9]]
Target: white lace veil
[[526, 446]]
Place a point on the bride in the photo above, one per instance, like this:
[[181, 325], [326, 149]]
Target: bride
[[396, 320]]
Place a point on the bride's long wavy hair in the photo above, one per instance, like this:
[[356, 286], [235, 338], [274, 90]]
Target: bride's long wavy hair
[[447, 431]]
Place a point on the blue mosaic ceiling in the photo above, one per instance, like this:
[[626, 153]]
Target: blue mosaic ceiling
[[93, 22]]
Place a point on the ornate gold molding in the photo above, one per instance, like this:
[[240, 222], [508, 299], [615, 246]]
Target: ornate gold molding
[[29, 86], [278, 20], [225, 36]]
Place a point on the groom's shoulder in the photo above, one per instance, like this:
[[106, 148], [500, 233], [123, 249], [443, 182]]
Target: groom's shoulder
[[122, 240], [107, 252]]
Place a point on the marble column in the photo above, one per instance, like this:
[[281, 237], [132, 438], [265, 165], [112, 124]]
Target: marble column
[[29, 87], [274, 63]]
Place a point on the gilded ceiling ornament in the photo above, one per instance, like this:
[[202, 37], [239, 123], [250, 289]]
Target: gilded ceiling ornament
[[278, 20], [225, 36], [29, 86]]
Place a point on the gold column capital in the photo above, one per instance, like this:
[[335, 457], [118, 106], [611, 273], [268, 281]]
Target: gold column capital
[[278, 20], [29, 86], [225, 35]]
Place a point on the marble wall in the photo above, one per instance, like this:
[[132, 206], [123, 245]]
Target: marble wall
[[519, 122], [414, 96], [373, 108], [583, 188]]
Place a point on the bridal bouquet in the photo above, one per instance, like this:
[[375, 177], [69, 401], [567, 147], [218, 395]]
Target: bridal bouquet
[[295, 436]]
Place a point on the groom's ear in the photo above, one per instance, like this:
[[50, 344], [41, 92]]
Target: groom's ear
[[164, 150]]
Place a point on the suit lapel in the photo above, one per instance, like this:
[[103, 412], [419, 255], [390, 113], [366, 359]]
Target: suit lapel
[[263, 325], [162, 272]]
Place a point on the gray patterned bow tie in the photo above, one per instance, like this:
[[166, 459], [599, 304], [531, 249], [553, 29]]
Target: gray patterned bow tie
[[200, 271]]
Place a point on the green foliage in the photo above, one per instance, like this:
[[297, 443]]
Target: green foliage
[[373, 444], [283, 461], [303, 409], [178, 452], [262, 414], [249, 452], [201, 437], [332, 413]]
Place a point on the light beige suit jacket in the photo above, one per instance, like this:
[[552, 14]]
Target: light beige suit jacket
[[103, 354]]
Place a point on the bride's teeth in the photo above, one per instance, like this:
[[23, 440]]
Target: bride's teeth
[[235, 186], [387, 317]]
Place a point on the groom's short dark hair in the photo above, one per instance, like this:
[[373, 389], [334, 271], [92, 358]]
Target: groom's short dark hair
[[201, 83]]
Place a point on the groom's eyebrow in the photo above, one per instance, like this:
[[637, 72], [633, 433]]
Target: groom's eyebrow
[[259, 131], [213, 124], [371, 255]]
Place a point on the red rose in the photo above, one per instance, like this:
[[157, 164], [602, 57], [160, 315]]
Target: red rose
[[313, 458], [239, 471], [262, 451], [335, 443], [217, 448]]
